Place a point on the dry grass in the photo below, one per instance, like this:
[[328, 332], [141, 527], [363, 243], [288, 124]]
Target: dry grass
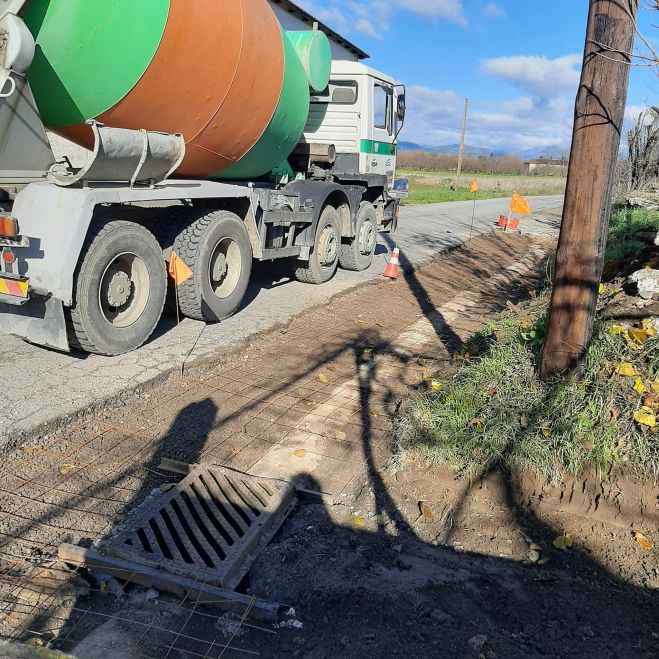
[[433, 187], [428, 161]]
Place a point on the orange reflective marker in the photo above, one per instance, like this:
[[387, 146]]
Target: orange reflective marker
[[178, 270], [474, 187], [520, 205]]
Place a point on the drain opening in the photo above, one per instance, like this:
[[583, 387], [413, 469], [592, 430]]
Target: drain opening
[[210, 538], [146, 545], [227, 512], [164, 549], [222, 530], [176, 538], [237, 504]]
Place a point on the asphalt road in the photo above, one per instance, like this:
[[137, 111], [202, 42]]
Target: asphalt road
[[41, 387]]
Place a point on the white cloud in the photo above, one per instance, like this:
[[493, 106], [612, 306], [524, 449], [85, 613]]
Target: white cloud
[[374, 18], [518, 125], [492, 10], [448, 10], [539, 76]]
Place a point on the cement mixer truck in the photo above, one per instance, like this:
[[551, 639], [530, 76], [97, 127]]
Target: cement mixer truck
[[213, 135]]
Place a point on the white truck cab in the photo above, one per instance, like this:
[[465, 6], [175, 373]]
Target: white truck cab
[[360, 113]]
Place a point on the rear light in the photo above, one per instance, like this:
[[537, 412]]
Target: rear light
[[8, 227], [8, 256]]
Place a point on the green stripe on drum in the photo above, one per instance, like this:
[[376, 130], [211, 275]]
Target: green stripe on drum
[[378, 148], [285, 128], [90, 53]]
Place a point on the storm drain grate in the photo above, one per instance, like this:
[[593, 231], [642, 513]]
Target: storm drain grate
[[208, 526]]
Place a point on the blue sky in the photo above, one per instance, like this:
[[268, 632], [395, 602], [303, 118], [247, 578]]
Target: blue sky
[[518, 61]]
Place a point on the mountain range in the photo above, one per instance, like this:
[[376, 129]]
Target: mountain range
[[554, 151]]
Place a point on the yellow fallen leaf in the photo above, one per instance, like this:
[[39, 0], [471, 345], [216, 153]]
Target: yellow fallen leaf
[[649, 328], [640, 336], [617, 329], [323, 378], [563, 542], [300, 453], [644, 543], [602, 289], [435, 386], [67, 469], [639, 387], [628, 370], [359, 521], [426, 511], [36, 448], [645, 416]]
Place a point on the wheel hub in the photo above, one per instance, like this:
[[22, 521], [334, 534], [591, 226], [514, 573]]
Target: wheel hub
[[367, 238], [119, 289], [220, 268], [328, 246]]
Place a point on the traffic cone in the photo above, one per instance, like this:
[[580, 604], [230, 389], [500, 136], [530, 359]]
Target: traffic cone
[[391, 270]]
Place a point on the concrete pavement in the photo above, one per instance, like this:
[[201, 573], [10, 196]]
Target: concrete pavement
[[43, 387]]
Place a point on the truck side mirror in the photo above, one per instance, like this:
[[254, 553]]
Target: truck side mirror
[[400, 110]]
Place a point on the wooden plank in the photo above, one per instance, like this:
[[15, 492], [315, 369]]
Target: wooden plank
[[179, 586]]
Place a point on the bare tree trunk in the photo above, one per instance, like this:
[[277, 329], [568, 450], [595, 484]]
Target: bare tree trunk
[[599, 114]]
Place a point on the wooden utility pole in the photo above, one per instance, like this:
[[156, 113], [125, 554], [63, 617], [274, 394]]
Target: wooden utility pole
[[462, 144], [599, 113]]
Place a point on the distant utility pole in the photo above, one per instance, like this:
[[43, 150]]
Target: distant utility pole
[[599, 114], [462, 144]]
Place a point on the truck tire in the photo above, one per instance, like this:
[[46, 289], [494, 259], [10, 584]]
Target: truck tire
[[217, 249], [324, 258], [166, 228], [120, 288], [357, 254]]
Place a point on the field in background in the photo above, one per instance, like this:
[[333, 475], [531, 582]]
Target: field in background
[[428, 187]]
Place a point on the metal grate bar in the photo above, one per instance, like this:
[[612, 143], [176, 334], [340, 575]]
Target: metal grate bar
[[256, 505], [225, 506], [216, 544], [224, 534], [242, 509]]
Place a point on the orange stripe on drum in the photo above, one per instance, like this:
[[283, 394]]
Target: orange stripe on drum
[[216, 78]]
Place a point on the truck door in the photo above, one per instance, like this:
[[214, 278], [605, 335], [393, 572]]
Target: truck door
[[381, 150]]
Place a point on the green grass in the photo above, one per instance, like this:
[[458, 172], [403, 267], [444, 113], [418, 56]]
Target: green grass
[[623, 226], [428, 194], [496, 412], [431, 187]]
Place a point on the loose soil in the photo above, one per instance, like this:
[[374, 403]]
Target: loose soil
[[368, 574]]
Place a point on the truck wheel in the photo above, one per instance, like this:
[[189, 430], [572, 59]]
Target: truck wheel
[[218, 251], [120, 289], [324, 259], [166, 228], [358, 253]]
